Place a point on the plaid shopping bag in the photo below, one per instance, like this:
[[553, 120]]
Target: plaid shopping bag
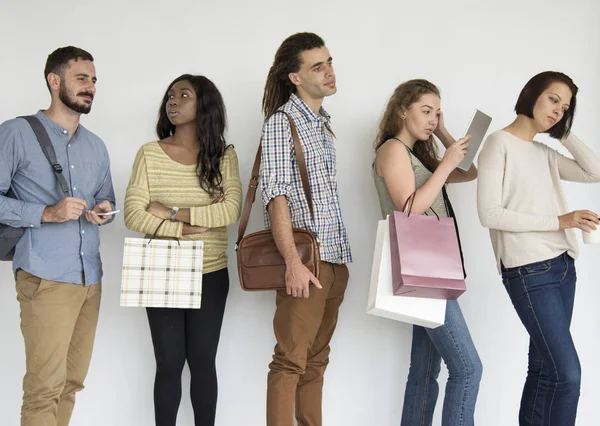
[[162, 273]]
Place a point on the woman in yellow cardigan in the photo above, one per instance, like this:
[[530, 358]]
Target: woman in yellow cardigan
[[189, 179]]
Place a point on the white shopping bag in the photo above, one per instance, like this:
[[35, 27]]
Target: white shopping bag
[[162, 273], [382, 301]]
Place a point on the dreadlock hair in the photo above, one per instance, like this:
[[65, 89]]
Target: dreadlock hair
[[278, 87]]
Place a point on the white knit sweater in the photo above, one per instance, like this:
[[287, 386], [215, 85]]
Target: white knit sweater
[[520, 196]]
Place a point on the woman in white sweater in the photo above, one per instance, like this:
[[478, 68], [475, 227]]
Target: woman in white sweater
[[521, 200]]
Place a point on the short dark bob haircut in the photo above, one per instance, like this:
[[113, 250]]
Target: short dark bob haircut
[[532, 91]]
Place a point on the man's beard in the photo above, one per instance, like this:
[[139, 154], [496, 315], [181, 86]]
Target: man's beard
[[81, 108]]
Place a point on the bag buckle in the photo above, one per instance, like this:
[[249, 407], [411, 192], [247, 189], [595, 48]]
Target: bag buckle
[[254, 182]]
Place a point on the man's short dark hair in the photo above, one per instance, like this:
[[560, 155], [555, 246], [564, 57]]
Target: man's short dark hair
[[532, 91], [59, 59]]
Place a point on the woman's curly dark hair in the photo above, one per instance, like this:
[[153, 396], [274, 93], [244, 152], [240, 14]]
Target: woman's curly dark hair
[[211, 120]]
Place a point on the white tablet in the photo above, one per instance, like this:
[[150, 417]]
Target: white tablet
[[478, 127]]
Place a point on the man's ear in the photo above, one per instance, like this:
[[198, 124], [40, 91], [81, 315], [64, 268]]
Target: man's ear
[[293, 76], [53, 81]]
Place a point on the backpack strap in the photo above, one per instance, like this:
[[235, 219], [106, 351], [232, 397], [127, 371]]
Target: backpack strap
[[48, 150]]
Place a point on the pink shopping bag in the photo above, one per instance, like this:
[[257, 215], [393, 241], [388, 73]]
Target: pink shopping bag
[[426, 259], [429, 313]]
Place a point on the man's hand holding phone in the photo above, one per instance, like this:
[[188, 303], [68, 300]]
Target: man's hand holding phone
[[100, 213]]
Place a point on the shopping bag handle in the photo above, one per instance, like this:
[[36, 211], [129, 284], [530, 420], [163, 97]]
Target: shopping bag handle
[[156, 232], [409, 203]]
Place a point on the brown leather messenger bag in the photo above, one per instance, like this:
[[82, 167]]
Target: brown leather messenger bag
[[260, 265]]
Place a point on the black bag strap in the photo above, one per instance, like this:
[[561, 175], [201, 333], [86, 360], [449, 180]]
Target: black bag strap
[[48, 150], [450, 211]]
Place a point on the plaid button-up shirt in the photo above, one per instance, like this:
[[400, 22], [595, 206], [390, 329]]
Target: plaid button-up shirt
[[279, 175]]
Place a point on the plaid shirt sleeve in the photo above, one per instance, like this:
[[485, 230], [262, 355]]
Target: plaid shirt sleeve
[[276, 170]]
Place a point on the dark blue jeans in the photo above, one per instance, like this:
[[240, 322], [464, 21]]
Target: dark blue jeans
[[543, 294]]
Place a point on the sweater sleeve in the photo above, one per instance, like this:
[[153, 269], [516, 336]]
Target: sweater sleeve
[[490, 186], [137, 199], [226, 212], [583, 167]]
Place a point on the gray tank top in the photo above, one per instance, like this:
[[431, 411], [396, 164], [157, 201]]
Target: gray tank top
[[421, 175]]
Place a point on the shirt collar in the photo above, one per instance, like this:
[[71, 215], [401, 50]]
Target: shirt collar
[[55, 127], [309, 113]]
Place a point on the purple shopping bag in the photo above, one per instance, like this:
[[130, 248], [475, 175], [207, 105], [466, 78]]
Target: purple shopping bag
[[426, 260]]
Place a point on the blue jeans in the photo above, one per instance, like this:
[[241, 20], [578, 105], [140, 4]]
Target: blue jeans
[[451, 342], [543, 294]]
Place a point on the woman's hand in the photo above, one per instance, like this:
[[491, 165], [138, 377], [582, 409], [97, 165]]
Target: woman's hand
[[456, 152], [440, 130], [219, 199], [159, 210], [583, 219]]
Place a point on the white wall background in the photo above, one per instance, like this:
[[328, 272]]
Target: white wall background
[[479, 53]]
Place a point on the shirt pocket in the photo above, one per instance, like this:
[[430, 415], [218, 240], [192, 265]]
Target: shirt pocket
[[90, 172], [313, 154]]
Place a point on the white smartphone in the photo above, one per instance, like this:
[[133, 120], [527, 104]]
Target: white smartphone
[[477, 128], [108, 213]]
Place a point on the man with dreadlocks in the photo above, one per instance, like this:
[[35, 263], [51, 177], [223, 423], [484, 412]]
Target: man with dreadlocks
[[301, 77]]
